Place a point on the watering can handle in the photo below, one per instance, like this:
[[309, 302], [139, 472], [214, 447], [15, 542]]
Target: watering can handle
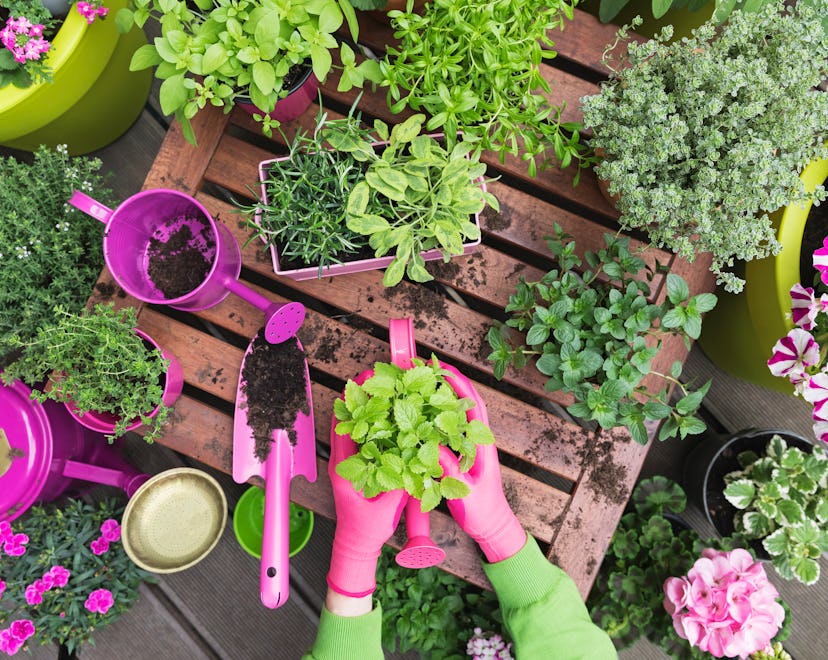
[[89, 206], [105, 476]]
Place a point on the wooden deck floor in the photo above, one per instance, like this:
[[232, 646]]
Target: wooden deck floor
[[213, 610]]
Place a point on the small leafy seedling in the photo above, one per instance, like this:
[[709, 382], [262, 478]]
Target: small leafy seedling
[[399, 418]]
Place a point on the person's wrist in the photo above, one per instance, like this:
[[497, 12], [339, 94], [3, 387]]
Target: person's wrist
[[353, 568], [343, 605]]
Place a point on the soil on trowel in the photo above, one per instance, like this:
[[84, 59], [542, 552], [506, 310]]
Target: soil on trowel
[[273, 378], [180, 264]]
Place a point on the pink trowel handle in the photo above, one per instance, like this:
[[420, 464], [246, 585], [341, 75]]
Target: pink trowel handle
[[89, 206], [274, 569]]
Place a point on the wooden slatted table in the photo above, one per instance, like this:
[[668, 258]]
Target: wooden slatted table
[[567, 484]]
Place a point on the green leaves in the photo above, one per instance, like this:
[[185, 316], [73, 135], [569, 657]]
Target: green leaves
[[399, 419]]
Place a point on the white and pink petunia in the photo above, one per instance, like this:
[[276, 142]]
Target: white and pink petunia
[[821, 431], [821, 260], [805, 307], [793, 354]]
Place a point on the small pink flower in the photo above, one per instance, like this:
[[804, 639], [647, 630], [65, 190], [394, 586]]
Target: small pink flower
[[99, 601], [22, 629], [9, 644], [2, 588], [60, 575], [821, 260], [99, 546], [36, 30], [111, 530], [5, 531], [792, 354], [33, 595], [15, 545]]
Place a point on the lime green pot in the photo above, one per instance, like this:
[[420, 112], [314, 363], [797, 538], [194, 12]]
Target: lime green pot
[[682, 20], [93, 98], [739, 334], [248, 523]]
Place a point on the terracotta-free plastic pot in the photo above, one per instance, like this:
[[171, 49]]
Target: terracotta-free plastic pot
[[248, 523], [293, 105]]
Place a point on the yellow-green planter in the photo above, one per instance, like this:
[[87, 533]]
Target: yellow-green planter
[[682, 20], [739, 334], [94, 97]]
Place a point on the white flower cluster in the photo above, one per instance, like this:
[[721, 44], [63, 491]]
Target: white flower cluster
[[482, 646]]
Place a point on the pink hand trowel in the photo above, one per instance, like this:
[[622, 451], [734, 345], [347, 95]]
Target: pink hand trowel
[[284, 461]]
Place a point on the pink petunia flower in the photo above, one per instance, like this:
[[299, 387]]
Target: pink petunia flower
[[821, 260], [99, 546], [804, 306], [821, 431], [15, 545], [99, 601], [60, 575], [111, 530], [793, 354]]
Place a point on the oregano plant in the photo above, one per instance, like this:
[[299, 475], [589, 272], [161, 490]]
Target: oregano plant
[[399, 418], [595, 334]]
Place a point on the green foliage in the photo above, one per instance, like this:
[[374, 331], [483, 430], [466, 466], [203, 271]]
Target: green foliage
[[62, 537], [302, 211], [213, 51], [95, 360], [596, 334], [646, 549], [782, 497], [399, 418], [368, 5], [474, 67], [609, 8], [416, 195], [431, 611], [51, 252], [702, 138]]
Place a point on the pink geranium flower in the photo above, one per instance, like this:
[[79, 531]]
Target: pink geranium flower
[[111, 530], [2, 588], [725, 605], [5, 531], [59, 575], [99, 546], [99, 601], [15, 544], [793, 354], [34, 596]]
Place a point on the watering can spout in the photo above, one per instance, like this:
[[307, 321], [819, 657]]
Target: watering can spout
[[89, 206]]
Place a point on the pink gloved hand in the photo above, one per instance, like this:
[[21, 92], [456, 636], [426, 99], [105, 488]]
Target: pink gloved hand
[[484, 514], [362, 526]]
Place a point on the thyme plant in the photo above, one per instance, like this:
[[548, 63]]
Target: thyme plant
[[703, 138], [96, 361], [595, 335], [51, 252]]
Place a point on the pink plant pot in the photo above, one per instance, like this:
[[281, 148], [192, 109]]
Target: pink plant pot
[[103, 422], [48, 453], [293, 105], [374, 263]]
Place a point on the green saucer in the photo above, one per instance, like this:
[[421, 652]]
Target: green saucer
[[248, 523]]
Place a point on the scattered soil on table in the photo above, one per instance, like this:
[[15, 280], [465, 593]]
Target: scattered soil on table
[[494, 221], [812, 238], [424, 305], [180, 264], [275, 389], [607, 478], [107, 290]]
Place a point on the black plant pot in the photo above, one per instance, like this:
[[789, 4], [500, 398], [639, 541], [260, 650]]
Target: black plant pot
[[716, 456]]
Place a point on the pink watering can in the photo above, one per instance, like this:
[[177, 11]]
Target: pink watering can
[[43, 451], [154, 216]]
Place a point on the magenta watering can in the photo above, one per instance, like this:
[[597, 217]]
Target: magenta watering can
[[152, 217], [43, 452]]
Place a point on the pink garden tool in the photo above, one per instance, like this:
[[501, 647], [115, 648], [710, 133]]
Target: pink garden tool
[[284, 461], [152, 217]]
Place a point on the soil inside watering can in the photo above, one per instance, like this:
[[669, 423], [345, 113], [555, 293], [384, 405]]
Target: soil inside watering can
[[274, 384], [179, 264]]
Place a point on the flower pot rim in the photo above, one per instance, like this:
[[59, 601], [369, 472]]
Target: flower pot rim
[[360, 265]]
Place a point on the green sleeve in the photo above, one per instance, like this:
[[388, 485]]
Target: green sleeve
[[543, 611], [348, 637]]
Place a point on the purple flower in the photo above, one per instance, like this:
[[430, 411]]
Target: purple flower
[[804, 307], [99, 601], [821, 260], [99, 546], [111, 530], [60, 575], [792, 354], [15, 545]]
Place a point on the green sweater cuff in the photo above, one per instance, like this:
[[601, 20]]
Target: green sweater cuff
[[518, 580], [349, 637]]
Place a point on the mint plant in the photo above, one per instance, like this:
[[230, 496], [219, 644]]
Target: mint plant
[[703, 138], [214, 51], [417, 194], [474, 67], [302, 211], [50, 251], [782, 498], [430, 611], [595, 336], [399, 418], [96, 361]]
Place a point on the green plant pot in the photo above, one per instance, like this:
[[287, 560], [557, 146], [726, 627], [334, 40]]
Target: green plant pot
[[683, 21], [248, 523], [93, 98], [739, 334]]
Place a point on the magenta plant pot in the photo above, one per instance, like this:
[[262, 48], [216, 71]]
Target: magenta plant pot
[[103, 422], [374, 263], [47, 453], [293, 105]]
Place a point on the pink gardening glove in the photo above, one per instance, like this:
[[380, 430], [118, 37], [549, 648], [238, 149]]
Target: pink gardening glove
[[362, 526], [484, 514]]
